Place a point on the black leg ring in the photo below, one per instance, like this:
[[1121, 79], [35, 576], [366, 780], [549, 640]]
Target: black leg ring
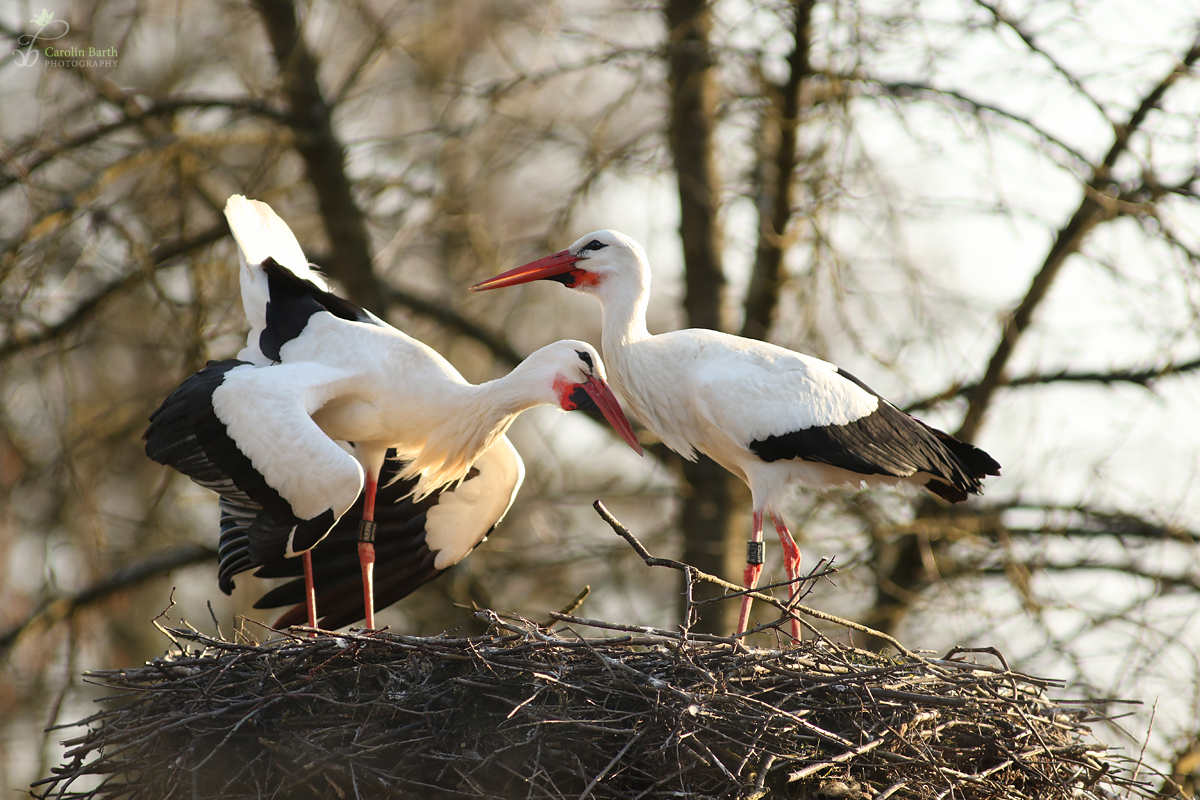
[[366, 531], [754, 553]]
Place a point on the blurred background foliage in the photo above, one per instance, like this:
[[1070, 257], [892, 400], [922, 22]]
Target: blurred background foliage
[[987, 211]]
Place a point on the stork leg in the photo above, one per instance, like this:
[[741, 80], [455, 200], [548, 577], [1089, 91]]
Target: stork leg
[[310, 594], [366, 550], [791, 563], [754, 561]]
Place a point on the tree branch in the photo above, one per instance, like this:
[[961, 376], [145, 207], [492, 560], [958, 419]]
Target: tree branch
[[904, 89], [160, 256], [738, 591], [1092, 210], [1118, 524], [1139, 376], [53, 611], [494, 341], [160, 108], [1031, 42], [1167, 582]]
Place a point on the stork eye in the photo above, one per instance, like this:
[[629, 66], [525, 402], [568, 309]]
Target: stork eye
[[586, 358], [594, 244]]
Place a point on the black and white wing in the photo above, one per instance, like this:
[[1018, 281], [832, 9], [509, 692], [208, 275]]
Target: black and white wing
[[415, 542], [246, 432]]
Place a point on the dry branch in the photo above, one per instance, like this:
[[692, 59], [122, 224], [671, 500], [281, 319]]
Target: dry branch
[[1092, 210], [124, 578]]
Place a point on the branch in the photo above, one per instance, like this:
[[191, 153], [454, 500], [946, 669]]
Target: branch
[[1166, 582], [904, 89], [494, 341], [1185, 770], [1091, 211], [738, 591], [445, 315], [1031, 43], [54, 611], [160, 256], [161, 108], [1105, 523], [1139, 376]]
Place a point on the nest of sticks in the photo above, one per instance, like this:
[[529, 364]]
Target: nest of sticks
[[530, 712]]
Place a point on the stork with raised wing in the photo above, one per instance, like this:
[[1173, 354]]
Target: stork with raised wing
[[771, 416], [263, 429]]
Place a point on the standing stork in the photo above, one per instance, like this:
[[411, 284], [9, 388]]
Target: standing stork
[[771, 416], [263, 429]]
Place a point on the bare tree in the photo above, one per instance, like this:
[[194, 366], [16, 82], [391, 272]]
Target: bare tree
[[804, 151]]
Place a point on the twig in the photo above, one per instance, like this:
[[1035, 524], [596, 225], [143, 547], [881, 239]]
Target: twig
[[654, 561], [846, 756]]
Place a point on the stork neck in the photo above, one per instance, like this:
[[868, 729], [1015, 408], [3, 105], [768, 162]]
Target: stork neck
[[504, 398], [624, 314], [476, 416], [497, 403]]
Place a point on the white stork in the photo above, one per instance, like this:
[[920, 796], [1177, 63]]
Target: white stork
[[263, 429], [768, 415]]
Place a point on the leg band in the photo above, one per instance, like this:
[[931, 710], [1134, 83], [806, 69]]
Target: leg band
[[754, 553], [366, 531]]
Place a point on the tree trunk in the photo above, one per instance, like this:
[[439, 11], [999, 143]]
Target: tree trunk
[[778, 181], [712, 495], [310, 118]]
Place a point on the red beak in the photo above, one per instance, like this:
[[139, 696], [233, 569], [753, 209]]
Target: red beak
[[604, 399], [547, 267]]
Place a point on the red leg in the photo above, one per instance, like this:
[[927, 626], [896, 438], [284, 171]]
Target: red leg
[[366, 551], [754, 560], [791, 563], [310, 594]]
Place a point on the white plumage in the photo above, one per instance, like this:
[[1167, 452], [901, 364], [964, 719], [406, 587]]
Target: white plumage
[[771, 416], [468, 511], [263, 430]]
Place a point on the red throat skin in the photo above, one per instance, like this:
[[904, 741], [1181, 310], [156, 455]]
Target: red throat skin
[[584, 279]]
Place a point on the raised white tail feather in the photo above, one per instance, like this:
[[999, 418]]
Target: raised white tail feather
[[260, 234]]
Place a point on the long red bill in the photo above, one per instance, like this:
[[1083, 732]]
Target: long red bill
[[604, 399], [547, 267]]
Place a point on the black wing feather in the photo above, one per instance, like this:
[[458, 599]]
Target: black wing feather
[[887, 442], [293, 300], [403, 561], [256, 522]]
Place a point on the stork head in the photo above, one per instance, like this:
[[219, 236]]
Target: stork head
[[600, 263], [575, 375]]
